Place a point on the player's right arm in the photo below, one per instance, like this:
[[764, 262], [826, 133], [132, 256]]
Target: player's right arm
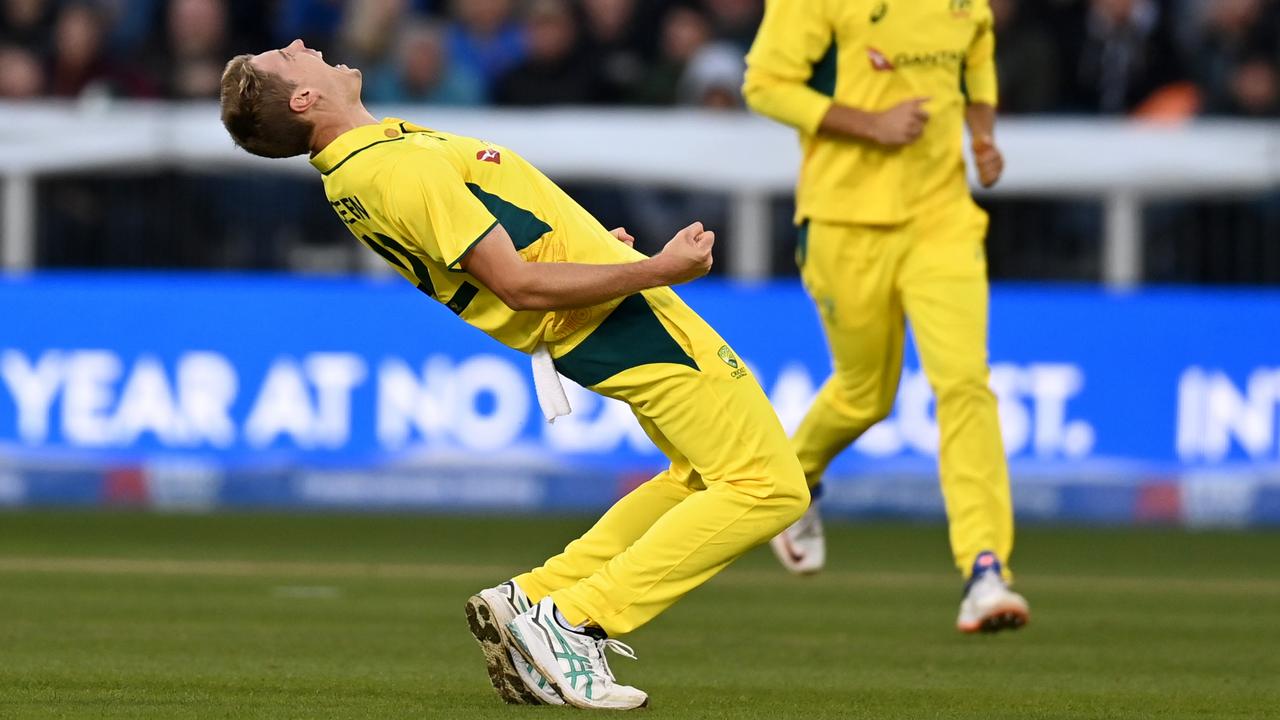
[[437, 213], [792, 38], [901, 124], [524, 285]]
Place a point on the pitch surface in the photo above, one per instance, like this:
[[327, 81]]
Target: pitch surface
[[316, 616]]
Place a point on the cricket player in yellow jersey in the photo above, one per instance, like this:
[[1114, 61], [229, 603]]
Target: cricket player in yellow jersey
[[480, 230], [879, 91]]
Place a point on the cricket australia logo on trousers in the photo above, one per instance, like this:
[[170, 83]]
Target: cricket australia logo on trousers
[[731, 360]]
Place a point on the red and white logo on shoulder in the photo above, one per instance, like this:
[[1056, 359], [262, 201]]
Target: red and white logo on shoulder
[[489, 155], [879, 60]]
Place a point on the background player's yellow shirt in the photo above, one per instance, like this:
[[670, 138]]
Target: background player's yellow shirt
[[872, 55], [422, 199]]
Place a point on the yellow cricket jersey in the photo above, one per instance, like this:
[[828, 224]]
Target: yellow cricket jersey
[[422, 199], [872, 55]]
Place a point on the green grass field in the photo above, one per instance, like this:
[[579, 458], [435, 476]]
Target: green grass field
[[314, 616]]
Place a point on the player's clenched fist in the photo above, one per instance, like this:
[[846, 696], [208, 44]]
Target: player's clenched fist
[[901, 124], [688, 255], [988, 159]]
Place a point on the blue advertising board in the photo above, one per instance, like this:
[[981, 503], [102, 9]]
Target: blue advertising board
[[226, 390]]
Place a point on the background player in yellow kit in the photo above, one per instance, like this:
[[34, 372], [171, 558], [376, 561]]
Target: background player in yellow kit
[[880, 90], [477, 228]]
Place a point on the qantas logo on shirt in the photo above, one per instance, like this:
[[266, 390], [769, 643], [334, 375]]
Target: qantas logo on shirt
[[879, 61], [883, 63], [961, 8], [489, 155], [936, 58]]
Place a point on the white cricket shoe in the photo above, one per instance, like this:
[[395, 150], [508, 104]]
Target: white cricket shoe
[[989, 605], [512, 676], [573, 660], [802, 548]]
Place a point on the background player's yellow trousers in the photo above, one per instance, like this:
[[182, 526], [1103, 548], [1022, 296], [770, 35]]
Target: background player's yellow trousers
[[733, 483], [867, 281]]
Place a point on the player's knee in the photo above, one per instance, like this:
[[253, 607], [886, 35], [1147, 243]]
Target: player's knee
[[965, 389], [780, 497], [794, 505], [857, 406], [790, 494], [879, 412]]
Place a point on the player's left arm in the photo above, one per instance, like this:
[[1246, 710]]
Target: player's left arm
[[987, 157], [982, 90]]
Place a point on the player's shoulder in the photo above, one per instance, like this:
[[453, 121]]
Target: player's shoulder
[[428, 147], [984, 15], [433, 140], [859, 13], [423, 153], [938, 18], [977, 12]]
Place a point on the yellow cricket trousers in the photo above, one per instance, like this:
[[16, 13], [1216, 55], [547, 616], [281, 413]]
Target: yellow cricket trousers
[[733, 483], [867, 281]]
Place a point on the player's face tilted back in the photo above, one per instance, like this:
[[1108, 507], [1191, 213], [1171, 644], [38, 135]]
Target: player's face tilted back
[[306, 68], [480, 230]]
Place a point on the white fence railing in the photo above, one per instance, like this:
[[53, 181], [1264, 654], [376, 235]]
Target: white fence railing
[[1120, 163]]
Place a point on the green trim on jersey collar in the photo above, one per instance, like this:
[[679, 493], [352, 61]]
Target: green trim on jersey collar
[[354, 141]]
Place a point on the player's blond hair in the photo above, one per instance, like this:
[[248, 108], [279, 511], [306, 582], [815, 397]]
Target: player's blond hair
[[255, 110]]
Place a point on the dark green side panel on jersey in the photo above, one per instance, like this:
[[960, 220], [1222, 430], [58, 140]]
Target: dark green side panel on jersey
[[630, 337], [523, 226], [823, 77]]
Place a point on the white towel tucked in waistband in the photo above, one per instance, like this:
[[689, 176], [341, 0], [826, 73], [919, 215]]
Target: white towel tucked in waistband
[[548, 387]]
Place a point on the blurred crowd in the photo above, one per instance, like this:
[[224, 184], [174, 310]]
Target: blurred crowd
[[1152, 57]]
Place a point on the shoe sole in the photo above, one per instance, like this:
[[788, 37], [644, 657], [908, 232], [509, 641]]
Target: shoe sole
[[1009, 617], [568, 697], [502, 673]]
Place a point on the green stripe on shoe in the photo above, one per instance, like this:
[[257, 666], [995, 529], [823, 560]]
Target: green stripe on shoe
[[578, 662]]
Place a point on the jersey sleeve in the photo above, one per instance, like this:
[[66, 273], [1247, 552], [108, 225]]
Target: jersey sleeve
[[437, 211], [793, 37], [980, 81]]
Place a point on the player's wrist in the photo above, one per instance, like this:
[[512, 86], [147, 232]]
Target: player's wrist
[[852, 122], [877, 130], [659, 270]]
